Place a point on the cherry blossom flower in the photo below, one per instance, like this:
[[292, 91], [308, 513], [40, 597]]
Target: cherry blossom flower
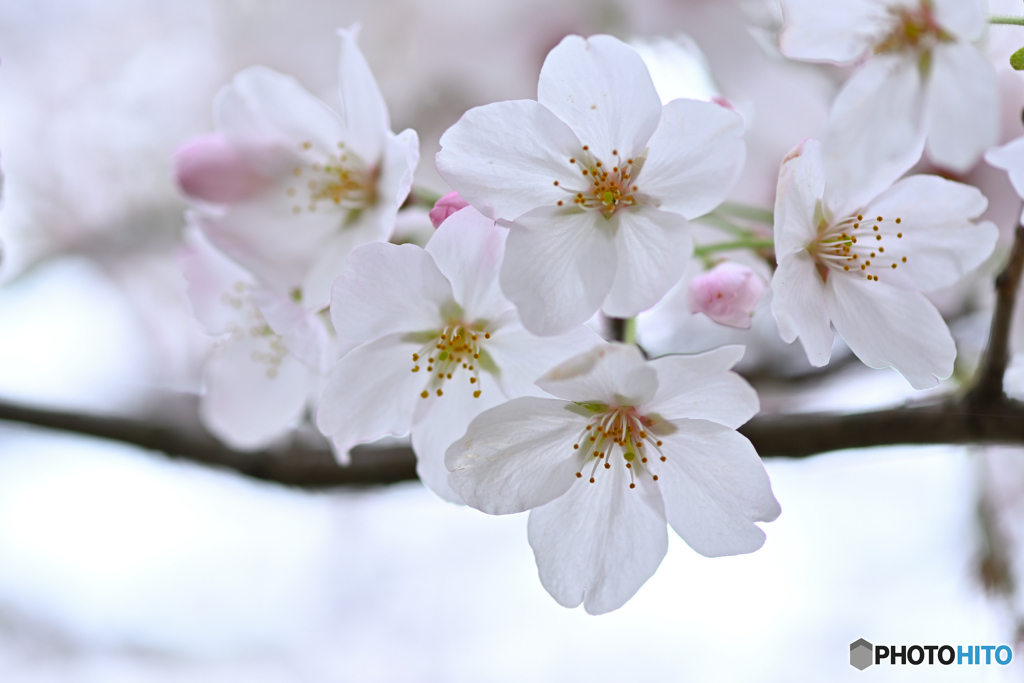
[[862, 262], [261, 377], [298, 185], [430, 342], [446, 206], [597, 179], [627, 445], [923, 78], [728, 294]]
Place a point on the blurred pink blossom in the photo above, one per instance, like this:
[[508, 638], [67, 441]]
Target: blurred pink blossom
[[208, 168], [446, 206], [728, 294]]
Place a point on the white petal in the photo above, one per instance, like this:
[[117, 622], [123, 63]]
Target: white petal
[[374, 223], [600, 542], [267, 116], [602, 89], [363, 107], [798, 304], [559, 266], [798, 197], [517, 456], [370, 393], [678, 68], [938, 239], [715, 488], [889, 327], [652, 249], [701, 387], [504, 158], [830, 32], [387, 288], [468, 248], [248, 402], [696, 155], [398, 165], [523, 358], [331, 259], [963, 18], [1010, 158], [440, 421], [251, 232], [302, 331], [218, 288], [875, 133], [963, 106], [610, 374]]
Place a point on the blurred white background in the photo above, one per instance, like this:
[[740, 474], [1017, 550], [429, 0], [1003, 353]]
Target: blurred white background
[[118, 565]]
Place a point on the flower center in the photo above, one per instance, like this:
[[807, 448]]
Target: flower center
[[622, 435], [255, 327], [342, 181], [457, 347], [856, 246], [602, 187], [912, 29]]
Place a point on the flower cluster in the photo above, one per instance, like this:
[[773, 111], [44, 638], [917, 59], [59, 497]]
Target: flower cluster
[[605, 195], [281, 194]]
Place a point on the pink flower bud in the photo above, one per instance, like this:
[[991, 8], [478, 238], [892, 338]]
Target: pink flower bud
[[446, 206], [208, 168], [727, 294]]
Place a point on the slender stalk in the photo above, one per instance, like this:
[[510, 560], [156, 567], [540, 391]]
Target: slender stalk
[[722, 223], [630, 336], [622, 330], [421, 197], [750, 213], [1002, 19], [749, 243]]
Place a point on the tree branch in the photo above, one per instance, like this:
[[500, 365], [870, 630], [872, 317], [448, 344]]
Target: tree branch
[[982, 416], [312, 465], [988, 386]]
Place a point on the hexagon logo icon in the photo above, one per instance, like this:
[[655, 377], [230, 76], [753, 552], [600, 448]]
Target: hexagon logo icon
[[861, 652]]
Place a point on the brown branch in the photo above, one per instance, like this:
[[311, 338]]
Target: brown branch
[[954, 422], [983, 416], [311, 465], [988, 385]]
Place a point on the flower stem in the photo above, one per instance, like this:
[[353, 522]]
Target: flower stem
[[748, 243], [623, 330], [1002, 19], [750, 213], [421, 197], [722, 223]]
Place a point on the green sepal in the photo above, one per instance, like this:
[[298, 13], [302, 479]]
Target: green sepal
[[1017, 60]]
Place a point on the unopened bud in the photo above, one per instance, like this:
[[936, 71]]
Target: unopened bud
[[208, 168], [728, 294], [446, 206]]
